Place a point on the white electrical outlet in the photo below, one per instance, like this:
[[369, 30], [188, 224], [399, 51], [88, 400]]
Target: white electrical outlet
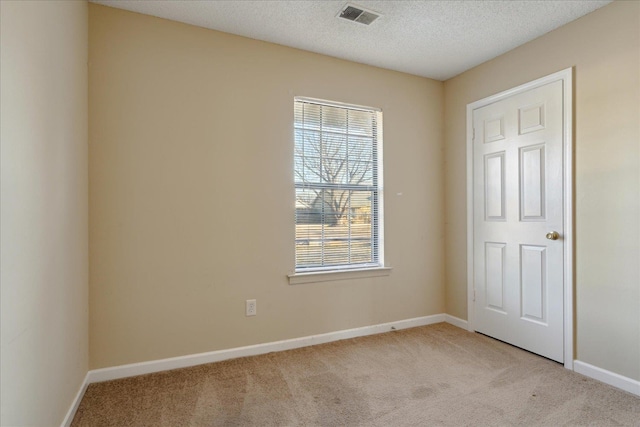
[[251, 307]]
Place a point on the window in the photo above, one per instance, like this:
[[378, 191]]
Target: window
[[338, 181]]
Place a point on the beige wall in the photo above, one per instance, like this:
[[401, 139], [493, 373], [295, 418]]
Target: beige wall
[[604, 48], [192, 198], [44, 188]]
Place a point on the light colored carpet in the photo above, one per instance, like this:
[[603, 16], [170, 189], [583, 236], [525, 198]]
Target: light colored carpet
[[436, 375]]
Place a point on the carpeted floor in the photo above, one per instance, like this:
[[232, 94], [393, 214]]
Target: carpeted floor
[[436, 375]]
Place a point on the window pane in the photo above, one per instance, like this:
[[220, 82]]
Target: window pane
[[307, 209], [336, 252], [308, 116], [334, 119], [361, 122], [333, 156], [360, 148], [309, 253]]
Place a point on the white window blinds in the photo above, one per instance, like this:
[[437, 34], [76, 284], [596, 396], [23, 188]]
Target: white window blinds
[[338, 180]]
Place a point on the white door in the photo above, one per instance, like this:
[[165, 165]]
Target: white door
[[518, 244]]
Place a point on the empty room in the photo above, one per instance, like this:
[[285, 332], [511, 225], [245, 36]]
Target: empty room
[[319, 213]]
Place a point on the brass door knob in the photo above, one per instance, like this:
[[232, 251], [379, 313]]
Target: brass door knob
[[553, 235]]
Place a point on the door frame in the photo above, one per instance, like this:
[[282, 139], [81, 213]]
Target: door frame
[[566, 76]]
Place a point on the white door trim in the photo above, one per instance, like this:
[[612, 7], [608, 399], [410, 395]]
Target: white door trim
[[566, 76]]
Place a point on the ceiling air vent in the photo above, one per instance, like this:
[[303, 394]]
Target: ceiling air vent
[[357, 14]]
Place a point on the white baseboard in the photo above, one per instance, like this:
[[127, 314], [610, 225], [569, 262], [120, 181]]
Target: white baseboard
[[456, 321], [134, 369], [607, 377], [76, 403]]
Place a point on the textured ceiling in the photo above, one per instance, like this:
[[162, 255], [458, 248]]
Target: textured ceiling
[[436, 39]]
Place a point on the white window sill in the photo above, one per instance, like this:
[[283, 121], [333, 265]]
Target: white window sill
[[326, 276]]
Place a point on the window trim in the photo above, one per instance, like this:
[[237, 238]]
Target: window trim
[[336, 104], [316, 276], [341, 272]]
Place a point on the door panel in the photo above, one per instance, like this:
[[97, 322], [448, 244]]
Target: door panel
[[494, 267], [494, 187], [517, 199], [533, 260], [532, 185]]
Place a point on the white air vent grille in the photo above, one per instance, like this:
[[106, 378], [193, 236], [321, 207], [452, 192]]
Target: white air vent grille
[[357, 14]]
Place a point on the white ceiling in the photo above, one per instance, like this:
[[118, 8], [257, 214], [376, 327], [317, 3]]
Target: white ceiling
[[436, 39]]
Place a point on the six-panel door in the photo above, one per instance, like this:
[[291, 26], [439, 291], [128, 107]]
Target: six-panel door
[[518, 200]]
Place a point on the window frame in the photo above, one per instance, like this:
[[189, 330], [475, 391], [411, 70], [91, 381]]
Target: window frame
[[346, 271]]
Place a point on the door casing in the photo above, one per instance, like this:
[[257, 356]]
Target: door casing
[[566, 76]]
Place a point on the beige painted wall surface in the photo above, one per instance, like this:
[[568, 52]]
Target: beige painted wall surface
[[192, 198], [604, 48], [44, 191]]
